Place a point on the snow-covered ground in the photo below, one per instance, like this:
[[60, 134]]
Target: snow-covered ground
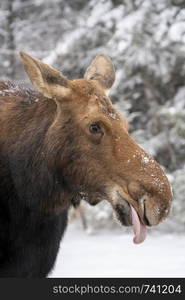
[[113, 254]]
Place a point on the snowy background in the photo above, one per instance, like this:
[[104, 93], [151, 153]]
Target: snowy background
[[113, 254], [146, 41]]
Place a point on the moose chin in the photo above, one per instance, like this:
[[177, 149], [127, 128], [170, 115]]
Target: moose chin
[[62, 139]]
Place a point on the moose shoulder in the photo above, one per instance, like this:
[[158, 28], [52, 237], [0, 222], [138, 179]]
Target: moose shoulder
[[56, 142]]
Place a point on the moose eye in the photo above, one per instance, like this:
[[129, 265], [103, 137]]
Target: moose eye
[[95, 128]]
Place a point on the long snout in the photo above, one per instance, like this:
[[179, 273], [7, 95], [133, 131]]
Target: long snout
[[156, 201], [146, 183]]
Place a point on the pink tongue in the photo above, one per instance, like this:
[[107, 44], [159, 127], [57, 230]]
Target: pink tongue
[[139, 229]]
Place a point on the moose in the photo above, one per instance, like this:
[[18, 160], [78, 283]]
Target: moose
[[59, 141]]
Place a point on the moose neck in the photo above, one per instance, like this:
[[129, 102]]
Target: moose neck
[[35, 142]]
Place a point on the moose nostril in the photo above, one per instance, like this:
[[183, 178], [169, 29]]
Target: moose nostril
[[135, 190]]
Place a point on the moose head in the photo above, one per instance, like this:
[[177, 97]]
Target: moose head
[[96, 156]]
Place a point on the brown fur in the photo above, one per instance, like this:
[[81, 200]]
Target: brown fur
[[51, 157], [87, 103]]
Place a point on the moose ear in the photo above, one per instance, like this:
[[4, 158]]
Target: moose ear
[[47, 80], [102, 70]]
